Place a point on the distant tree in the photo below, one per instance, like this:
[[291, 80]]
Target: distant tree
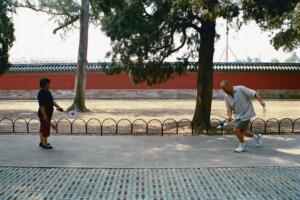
[[250, 59], [282, 17], [144, 34], [66, 13], [275, 60], [255, 59], [6, 35], [294, 58]]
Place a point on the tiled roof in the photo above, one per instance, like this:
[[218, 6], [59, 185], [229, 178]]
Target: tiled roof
[[99, 67]]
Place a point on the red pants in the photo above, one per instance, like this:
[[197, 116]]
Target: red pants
[[45, 127]]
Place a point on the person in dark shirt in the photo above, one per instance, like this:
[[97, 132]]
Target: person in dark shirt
[[45, 112]]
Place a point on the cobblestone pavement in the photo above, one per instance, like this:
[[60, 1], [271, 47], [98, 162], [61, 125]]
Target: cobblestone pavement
[[195, 183]]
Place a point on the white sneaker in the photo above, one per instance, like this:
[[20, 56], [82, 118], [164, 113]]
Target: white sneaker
[[241, 148], [258, 139]]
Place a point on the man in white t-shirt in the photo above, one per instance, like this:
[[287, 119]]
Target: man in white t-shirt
[[238, 101]]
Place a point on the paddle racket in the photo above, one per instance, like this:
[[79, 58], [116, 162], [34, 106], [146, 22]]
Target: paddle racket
[[223, 124]]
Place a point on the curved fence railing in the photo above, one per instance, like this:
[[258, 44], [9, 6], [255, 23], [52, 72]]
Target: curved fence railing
[[140, 126]]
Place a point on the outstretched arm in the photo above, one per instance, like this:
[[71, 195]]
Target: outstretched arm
[[261, 101], [58, 107], [253, 94]]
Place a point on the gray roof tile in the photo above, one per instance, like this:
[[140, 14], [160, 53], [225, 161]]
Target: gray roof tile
[[98, 67]]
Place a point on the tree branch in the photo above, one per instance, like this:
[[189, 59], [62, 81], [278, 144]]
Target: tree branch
[[144, 9], [74, 19], [176, 49], [194, 26], [182, 44], [93, 6], [188, 23], [28, 5], [94, 9]]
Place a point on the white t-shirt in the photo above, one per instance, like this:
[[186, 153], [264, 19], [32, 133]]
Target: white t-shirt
[[240, 103]]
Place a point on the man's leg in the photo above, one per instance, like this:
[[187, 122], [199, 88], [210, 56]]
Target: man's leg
[[238, 128], [241, 130], [242, 147], [243, 126], [257, 137], [239, 135], [248, 133]]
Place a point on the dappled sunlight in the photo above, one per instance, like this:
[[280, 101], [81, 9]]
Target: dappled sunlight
[[148, 151], [182, 147], [170, 147], [288, 139], [283, 138], [154, 150], [223, 138], [281, 161], [292, 151]]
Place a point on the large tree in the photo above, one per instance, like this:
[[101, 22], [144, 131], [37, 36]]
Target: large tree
[[80, 82], [6, 35], [145, 33], [67, 13]]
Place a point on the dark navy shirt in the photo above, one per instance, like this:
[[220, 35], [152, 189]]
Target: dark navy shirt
[[45, 99]]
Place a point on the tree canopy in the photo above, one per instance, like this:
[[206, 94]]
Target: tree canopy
[[282, 17], [6, 34], [145, 33], [65, 12]]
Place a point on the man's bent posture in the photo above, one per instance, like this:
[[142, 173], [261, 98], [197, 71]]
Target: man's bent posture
[[238, 101]]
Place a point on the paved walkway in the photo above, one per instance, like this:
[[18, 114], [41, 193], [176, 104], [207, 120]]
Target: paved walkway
[[148, 167], [147, 152]]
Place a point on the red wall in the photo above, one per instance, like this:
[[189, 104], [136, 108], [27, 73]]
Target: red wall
[[255, 80]]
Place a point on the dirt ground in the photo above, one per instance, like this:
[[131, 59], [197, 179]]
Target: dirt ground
[[148, 109], [138, 109]]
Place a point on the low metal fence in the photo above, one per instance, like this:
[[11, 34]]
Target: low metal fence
[[140, 126]]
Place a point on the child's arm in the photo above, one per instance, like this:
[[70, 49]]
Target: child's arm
[[58, 107]]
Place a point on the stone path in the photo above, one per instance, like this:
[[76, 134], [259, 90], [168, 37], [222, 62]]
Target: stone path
[[270, 183]]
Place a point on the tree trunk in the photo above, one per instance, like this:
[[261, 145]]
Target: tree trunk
[[4, 64], [80, 80], [201, 119]]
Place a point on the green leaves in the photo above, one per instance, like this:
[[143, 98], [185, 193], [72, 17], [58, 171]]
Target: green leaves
[[145, 33], [154, 72], [6, 35], [280, 16]]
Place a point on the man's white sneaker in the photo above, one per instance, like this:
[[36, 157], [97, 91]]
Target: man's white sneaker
[[258, 139], [241, 148]]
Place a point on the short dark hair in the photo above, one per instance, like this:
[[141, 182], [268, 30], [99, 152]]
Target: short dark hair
[[44, 82]]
